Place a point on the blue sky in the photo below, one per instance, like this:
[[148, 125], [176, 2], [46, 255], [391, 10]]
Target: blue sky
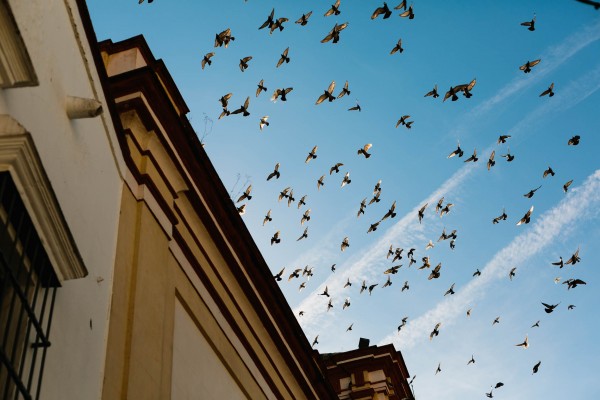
[[447, 43]]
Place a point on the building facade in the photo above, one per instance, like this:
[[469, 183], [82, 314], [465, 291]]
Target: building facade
[[368, 373]]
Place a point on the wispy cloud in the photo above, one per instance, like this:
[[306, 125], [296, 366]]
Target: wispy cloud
[[407, 232], [553, 58], [522, 248]]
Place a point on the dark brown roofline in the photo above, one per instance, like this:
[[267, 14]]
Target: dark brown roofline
[[205, 176]]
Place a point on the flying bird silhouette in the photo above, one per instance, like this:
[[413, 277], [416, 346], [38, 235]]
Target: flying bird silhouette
[[335, 168], [281, 93], [311, 155], [346, 180], [223, 38], [536, 367], [364, 150], [268, 218], [263, 122], [566, 185], [206, 59], [408, 13], [530, 24], [243, 108], [246, 194], [397, 48], [345, 244], [244, 63], [334, 33], [261, 87], [327, 94], [303, 20], [574, 141], [549, 91], [334, 10], [528, 65], [344, 91], [283, 58], [531, 192], [433, 92], [385, 10], [547, 172], [526, 218], [275, 174], [501, 217]]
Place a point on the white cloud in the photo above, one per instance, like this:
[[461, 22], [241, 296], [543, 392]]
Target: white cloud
[[544, 230]]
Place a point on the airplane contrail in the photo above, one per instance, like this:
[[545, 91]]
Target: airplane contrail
[[522, 248]]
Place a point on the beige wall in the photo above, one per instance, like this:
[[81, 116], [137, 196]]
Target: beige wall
[[197, 368]]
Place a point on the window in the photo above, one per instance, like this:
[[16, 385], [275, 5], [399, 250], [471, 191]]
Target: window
[[28, 286]]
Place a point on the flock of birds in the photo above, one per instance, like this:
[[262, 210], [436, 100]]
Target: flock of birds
[[396, 255]]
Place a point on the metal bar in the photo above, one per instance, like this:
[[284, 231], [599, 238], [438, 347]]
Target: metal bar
[[39, 333], [43, 362]]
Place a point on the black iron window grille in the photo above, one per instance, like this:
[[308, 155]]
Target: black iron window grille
[[27, 292]]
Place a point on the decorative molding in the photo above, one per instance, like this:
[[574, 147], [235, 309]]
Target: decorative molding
[[16, 68], [19, 156]]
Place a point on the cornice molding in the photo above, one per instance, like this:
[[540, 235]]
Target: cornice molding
[[16, 68], [19, 156]]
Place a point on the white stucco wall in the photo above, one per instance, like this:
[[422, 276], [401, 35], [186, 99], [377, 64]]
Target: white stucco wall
[[83, 163]]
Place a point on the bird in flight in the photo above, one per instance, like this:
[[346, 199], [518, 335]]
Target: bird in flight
[[547, 172], [243, 108], [397, 48], [364, 150], [346, 180], [334, 10], [345, 244], [549, 92], [408, 13], [536, 367], [385, 10], [524, 344], [501, 217], [435, 331], [283, 58], [458, 152], [566, 185], [433, 93], [223, 38], [303, 20], [526, 68], [244, 63], [526, 218], [345, 91], [278, 275], [574, 141], [592, 3], [530, 24], [281, 93], [334, 33], [206, 59], [327, 94], [421, 212], [263, 122], [275, 174], [311, 155], [261, 87], [246, 194], [268, 218], [531, 192], [574, 259]]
